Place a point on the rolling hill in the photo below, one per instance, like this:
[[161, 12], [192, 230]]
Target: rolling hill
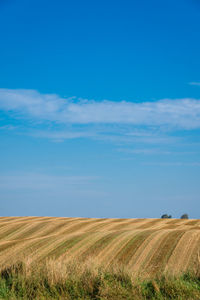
[[143, 245]]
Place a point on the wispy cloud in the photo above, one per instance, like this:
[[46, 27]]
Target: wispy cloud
[[110, 134], [195, 83], [155, 151], [38, 181], [173, 164], [146, 151], [174, 113], [59, 136], [8, 127]]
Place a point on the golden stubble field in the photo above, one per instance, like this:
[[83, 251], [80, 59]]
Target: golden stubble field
[[144, 246]]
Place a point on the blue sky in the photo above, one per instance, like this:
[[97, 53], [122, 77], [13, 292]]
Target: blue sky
[[99, 108]]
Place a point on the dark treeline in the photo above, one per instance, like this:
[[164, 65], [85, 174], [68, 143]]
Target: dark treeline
[[166, 216]]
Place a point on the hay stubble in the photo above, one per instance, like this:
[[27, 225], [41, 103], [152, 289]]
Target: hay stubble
[[150, 245]]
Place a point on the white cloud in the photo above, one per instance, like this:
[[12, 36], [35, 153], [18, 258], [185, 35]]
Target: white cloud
[[8, 127], [173, 113], [38, 181], [146, 151], [155, 151], [61, 135], [174, 164], [109, 134]]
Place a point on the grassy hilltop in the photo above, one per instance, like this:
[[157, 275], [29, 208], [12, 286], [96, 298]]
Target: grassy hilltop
[[108, 253]]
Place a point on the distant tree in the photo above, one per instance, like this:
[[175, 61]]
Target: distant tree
[[184, 216], [166, 216]]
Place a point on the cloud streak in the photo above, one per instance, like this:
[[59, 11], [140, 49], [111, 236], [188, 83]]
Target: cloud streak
[[194, 83], [38, 181], [173, 164], [62, 135], [173, 113], [146, 151]]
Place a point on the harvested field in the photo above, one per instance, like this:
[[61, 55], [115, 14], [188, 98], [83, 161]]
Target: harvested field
[[144, 246]]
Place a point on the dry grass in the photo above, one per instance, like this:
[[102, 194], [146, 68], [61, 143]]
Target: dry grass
[[149, 246], [53, 279]]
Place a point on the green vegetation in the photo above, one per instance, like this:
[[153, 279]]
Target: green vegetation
[[73, 281], [58, 258], [184, 216], [166, 216]]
